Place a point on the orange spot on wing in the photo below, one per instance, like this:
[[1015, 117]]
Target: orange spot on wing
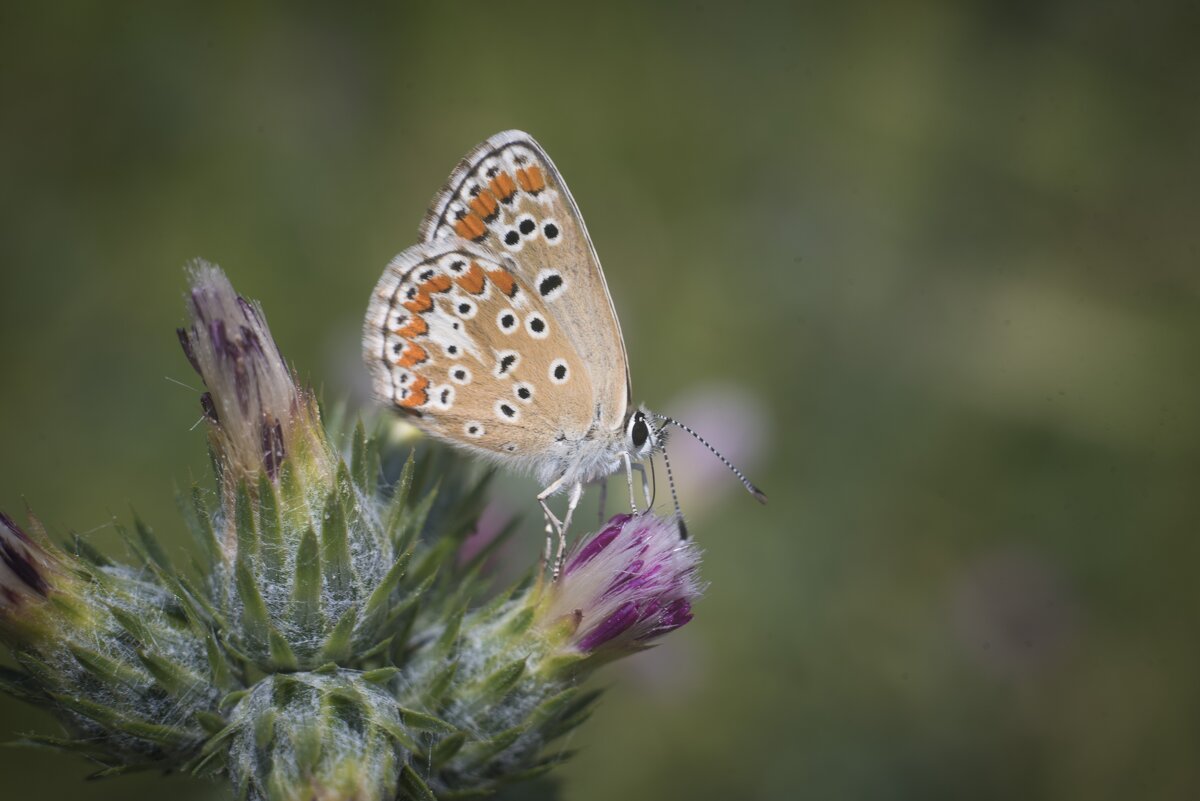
[[421, 302], [485, 205], [439, 283], [413, 355], [415, 328], [471, 227], [503, 187], [472, 281], [531, 179], [416, 394], [504, 282]]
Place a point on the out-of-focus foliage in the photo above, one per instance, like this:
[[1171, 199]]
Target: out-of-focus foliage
[[944, 255]]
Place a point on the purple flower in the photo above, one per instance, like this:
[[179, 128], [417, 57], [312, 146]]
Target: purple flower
[[252, 405], [25, 567], [631, 582]]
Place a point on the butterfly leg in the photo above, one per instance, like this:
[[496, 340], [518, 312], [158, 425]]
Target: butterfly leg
[[629, 480], [603, 497], [572, 502], [641, 468], [552, 523]]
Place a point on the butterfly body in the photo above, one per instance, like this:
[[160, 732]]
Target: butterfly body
[[496, 332]]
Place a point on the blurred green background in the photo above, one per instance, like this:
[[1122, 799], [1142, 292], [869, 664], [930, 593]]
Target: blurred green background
[[930, 270]]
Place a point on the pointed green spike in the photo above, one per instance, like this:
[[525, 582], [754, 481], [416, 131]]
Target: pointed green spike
[[335, 548], [84, 550], [106, 669], [446, 748], [378, 649], [449, 636], [155, 732], [232, 699], [19, 685], [327, 669], [440, 685], [294, 505], [519, 623], [151, 544], [209, 721], [306, 588], [255, 618], [379, 604], [413, 521], [399, 500], [380, 675], [483, 752], [433, 559], [274, 555], [198, 522], [133, 625], [264, 729], [358, 459], [337, 645], [218, 665], [399, 734], [88, 748], [243, 517], [496, 686], [414, 787], [421, 721], [171, 676], [282, 656]]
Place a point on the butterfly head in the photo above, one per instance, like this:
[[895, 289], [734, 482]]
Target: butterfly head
[[643, 434]]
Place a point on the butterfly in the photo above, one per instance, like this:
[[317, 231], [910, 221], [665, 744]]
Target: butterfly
[[496, 333]]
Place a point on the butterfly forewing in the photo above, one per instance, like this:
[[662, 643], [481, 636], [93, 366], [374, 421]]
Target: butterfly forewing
[[507, 196], [455, 337]]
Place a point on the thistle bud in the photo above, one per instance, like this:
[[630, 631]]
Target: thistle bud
[[29, 573], [623, 587], [256, 415]]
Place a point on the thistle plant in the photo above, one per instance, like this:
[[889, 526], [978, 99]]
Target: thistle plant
[[331, 638]]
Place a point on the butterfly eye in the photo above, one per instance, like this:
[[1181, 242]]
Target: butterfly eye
[[640, 432]]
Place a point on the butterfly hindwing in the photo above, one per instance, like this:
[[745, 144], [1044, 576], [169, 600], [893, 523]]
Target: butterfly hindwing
[[507, 195], [455, 337]]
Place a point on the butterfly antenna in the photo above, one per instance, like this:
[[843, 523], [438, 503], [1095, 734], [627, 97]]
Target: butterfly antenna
[[683, 532], [758, 494]]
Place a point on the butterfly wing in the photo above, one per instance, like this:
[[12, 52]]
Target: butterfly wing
[[458, 340], [507, 195]]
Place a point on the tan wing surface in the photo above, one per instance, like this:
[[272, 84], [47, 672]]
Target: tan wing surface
[[507, 195], [468, 348]]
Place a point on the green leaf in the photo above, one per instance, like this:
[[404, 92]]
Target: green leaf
[[482, 753], [440, 685], [399, 502], [106, 669], [413, 521], [209, 721]]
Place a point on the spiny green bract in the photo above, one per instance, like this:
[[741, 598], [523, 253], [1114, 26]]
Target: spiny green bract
[[340, 645]]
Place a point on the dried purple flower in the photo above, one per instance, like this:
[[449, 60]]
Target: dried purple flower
[[22, 566], [253, 405], [631, 582]]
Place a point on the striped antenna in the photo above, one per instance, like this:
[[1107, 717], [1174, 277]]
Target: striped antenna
[[758, 494], [683, 532]]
